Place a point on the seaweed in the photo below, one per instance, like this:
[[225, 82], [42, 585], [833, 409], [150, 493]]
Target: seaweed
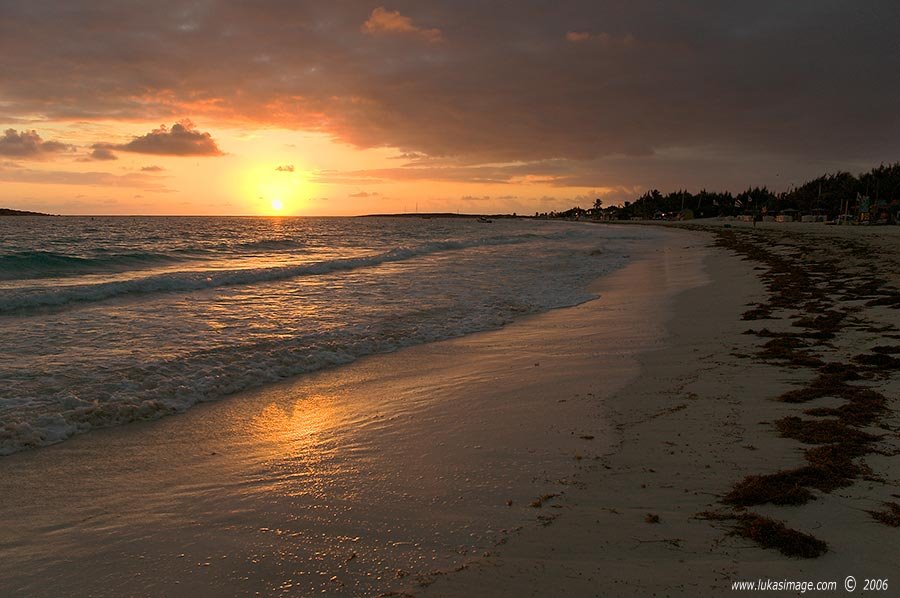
[[881, 361], [890, 516], [770, 533], [539, 502], [802, 283], [827, 431], [781, 488]]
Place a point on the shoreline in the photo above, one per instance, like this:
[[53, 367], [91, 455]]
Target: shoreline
[[571, 451], [200, 349], [703, 416], [604, 544], [385, 473]]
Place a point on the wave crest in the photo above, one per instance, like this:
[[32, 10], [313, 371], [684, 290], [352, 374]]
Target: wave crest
[[37, 298]]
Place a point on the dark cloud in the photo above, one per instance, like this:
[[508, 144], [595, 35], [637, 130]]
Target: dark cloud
[[602, 38], [29, 145], [152, 168], [285, 168], [181, 140], [607, 87], [102, 153], [543, 171]]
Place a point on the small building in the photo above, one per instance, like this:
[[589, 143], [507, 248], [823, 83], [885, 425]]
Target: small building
[[788, 215]]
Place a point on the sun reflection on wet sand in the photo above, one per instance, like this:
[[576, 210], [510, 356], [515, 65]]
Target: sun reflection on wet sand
[[302, 446], [300, 427], [382, 474]]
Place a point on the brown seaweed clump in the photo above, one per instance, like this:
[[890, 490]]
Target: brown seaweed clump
[[774, 534], [890, 516], [770, 533]]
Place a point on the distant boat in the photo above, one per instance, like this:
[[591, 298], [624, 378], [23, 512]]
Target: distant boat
[[483, 219]]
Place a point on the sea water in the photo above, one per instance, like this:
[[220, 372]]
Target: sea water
[[105, 321]]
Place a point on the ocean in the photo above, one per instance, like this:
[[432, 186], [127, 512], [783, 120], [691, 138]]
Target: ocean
[[110, 320]]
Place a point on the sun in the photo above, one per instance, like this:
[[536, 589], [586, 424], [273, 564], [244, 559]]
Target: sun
[[272, 191]]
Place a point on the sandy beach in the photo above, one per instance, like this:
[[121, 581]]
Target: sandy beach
[[701, 418], [599, 450], [377, 476]]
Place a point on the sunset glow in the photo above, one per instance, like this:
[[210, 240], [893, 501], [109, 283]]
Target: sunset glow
[[449, 298], [360, 108]]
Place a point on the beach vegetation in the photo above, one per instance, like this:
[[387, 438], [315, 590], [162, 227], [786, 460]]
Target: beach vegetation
[[828, 196]]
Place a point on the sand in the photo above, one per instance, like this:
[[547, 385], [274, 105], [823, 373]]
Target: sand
[[384, 474], [698, 420], [532, 460]]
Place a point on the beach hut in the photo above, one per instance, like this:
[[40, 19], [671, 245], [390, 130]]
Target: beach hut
[[817, 215], [884, 212], [788, 215]]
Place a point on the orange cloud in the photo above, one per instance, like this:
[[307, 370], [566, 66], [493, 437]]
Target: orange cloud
[[93, 179], [578, 36], [384, 21]]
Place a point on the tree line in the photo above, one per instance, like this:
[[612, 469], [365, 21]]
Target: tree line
[[828, 195]]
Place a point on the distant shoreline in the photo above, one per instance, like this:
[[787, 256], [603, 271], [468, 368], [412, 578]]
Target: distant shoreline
[[11, 212], [439, 215], [426, 215]]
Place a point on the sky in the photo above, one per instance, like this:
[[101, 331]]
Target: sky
[[353, 107]]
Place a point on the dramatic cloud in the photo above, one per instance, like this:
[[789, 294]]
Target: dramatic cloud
[[619, 92], [181, 140], [29, 145], [285, 168], [546, 171], [384, 21]]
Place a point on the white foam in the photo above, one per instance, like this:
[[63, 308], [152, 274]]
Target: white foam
[[73, 370]]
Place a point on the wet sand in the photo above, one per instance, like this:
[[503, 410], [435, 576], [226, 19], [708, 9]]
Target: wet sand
[[383, 475], [586, 451], [654, 517]]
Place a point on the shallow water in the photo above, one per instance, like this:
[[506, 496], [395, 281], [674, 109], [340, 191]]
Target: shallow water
[[110, 320], [382, 475]]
